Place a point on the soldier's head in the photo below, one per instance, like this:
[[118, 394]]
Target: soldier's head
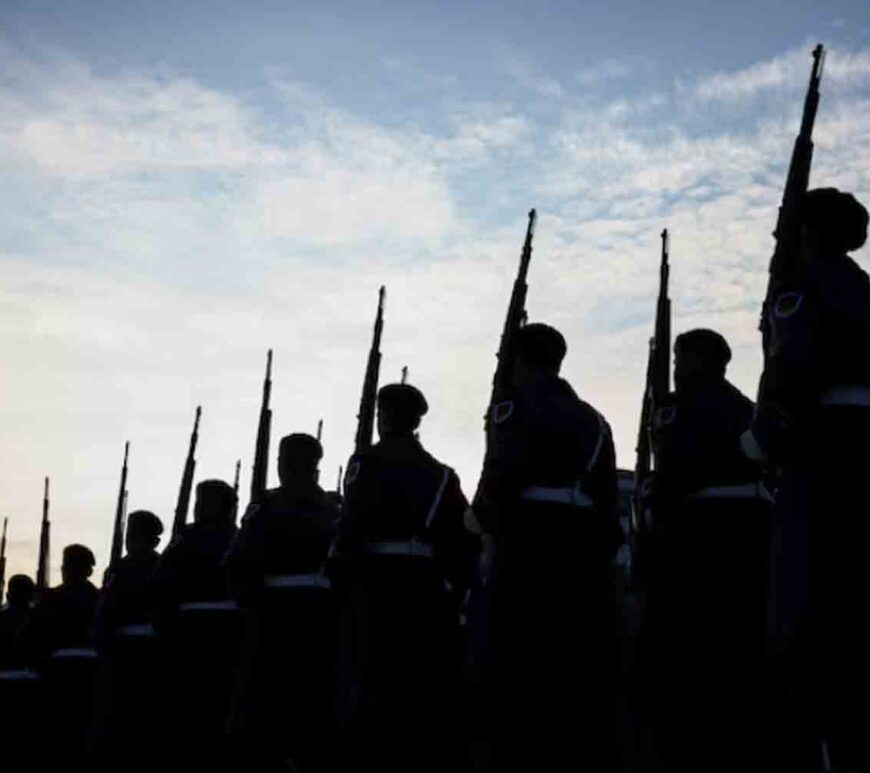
[[540, 350], [78, 564], [834, 223], [143, 533], [298, 457], [20, 591], [400, 408], [215, 503], [700, 357]]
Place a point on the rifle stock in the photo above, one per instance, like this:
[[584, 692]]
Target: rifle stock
[[260, 471], [183, 503], [365, 427]]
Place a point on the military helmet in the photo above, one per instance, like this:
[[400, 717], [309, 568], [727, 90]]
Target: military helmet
[[145, 522], [300, 447], [79, 555], [402, 400], [707, 343], [838, 214], [541, 345]]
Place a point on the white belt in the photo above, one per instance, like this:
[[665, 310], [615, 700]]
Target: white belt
[[138, 631], [209, 606], [847, 394], [408, 548], [20, 675], [739, 491], [312, 580], [81, 653], [566, 495]]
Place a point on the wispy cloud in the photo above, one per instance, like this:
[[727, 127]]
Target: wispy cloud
[[161, 233]]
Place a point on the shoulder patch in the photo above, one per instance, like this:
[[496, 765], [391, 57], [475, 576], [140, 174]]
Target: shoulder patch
[[787, 304], [352, 473], [665, 416], [501, 412]]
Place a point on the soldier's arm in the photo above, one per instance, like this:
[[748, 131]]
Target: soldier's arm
[[793, 373], [508, 458], [244, 561], [603, 488], [456, 549], [361, 501]]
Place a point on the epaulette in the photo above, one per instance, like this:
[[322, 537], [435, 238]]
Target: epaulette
[[787, 304], [501, 412]]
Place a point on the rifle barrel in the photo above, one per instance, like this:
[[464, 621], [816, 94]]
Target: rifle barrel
[[183, 503], [366, 417]]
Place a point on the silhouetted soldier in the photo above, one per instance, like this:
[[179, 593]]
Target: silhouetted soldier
[[191, 568], [708, 571], [201, 625], [812, 423], [125, 601], [22, 701], [132, 670], [14, 615], [544, 644], [275, 569], [59, 641], [63, 616], [404, 555]]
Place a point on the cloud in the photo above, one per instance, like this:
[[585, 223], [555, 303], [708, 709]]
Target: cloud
[[603, 72], [527, 76], [784, 71], [161, 234]]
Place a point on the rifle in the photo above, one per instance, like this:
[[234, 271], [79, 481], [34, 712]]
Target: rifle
[[339, 479], [404, 375], [366, 417], [120, 514], [236, 487], [44, 542], [319, 437], [515, 319], [784, 264], [260, 470], [3, 559], [183, 503], [658, 386]]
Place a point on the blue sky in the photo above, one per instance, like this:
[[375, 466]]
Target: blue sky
[[186, 186]]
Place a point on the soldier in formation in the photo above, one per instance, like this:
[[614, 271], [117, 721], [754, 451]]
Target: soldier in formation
[[275, 568], [811, 425], [404, 562], [546, 503], [13, 617], [710, 544]]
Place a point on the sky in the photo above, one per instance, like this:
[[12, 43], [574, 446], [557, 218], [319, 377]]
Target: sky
[[188, 185]]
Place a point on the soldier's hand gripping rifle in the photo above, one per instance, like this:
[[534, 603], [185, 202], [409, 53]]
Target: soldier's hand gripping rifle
[[260, 470], [44, 543], [120, 514], [785, 262], [366, 417], [658, 386], [514, 320], [3, 559], [183, 503]]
